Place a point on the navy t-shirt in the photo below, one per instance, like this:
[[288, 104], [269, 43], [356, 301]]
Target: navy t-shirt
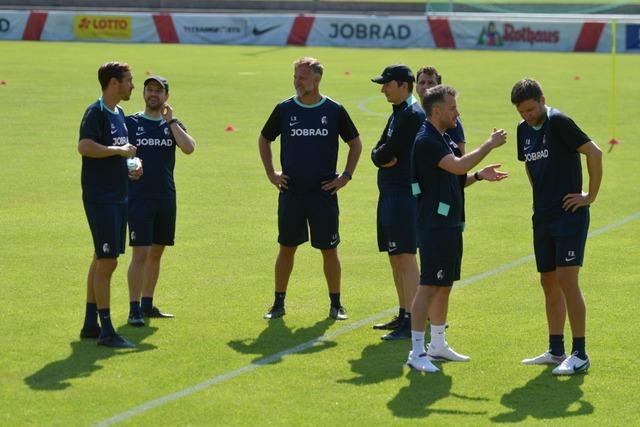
[[104, 180], [440, 201], [309, 138], [397, 141], [456, 136], [552, 159], [156, 146], [457, 133]]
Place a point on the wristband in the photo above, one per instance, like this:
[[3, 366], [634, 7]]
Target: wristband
[[476, 175], [172, 121], [347, 174]]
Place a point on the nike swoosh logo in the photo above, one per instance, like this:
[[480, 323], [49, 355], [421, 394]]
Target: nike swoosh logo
[[293, 123], [257, 32], [141, 133], [114, 131], [333, 242], [569, 259], [585, 365], [393, 249]]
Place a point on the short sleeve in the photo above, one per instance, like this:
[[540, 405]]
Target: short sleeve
[[346, 129], [570, 135], [519, 144], [92, 125], [273, 127]]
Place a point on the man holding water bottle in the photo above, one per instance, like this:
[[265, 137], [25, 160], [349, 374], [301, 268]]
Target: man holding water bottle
[[104, 146], [152, 199]]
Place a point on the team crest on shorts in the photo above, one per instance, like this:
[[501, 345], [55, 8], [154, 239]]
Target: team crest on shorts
[[106, 248], [440, 274], [133, 235]]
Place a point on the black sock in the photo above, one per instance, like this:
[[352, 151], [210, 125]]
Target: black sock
[[335, 299], [556, 345], [279, 299], [401, 312], [406, 321], [91, 316], [105, 322], [134, 308], [146, 303], [578, 347]]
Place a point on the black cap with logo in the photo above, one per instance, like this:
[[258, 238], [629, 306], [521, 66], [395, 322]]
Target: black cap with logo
[[397, 72], [160, 80]]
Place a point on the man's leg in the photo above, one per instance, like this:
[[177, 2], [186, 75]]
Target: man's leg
[[439, 349], [102, 290], [405, 269], [283, 269], [135, 278], [332, 273], [90, 328], [578, 362], [151, 274], [418, 358]]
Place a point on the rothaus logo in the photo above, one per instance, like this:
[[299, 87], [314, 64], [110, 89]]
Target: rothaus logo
[[490, 36], [536, 155], [370, 31], [155, 142]]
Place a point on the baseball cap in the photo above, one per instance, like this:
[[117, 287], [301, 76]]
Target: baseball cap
[[396, 72], [160, 80]]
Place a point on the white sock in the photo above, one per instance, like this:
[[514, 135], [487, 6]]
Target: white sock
[[437, 335], [417, 342]]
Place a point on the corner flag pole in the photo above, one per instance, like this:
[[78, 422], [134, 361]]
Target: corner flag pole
[[613, 142]]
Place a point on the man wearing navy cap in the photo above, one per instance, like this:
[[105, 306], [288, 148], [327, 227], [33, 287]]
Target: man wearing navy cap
[[152, 199], [397, 208]]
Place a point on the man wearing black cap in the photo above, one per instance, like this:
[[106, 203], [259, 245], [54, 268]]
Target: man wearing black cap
[[397, 208], [152, 200]]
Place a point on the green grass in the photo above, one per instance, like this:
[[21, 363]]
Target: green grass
[[218, 278]]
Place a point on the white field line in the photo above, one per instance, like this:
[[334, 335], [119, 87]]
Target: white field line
[[151, 404]]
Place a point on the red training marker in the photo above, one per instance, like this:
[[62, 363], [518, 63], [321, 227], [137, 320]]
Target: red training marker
[[612, 143], [230, 128], [3, 82]]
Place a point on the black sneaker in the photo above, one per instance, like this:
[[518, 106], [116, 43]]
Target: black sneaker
[[115, 341], [135, 320], [275, 312], [90, 332], [155, 312], [394, 324], [338, 313], [401, 333]]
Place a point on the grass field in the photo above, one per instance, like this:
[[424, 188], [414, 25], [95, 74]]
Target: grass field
[[218, 352]]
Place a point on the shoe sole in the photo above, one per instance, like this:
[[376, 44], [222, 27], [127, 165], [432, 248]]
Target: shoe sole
[[444, 359], [136, 324], [583, 370], [394, 337]]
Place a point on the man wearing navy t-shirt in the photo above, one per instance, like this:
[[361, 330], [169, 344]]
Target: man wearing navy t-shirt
[[152, 199], [104, 146], [309, 125], [440, 206], [397, 208], [550, 144]]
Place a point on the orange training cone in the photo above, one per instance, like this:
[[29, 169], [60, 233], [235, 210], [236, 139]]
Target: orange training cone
[[230, 128]]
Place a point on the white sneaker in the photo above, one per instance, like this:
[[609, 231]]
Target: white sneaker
[[421, 363], [572, 365], [445, 353], [545, 358]]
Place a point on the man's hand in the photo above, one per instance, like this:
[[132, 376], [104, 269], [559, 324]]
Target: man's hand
[[279, 179], [490, 173], [336, 184], [137, 172], [127, 150], [167, 112], [392, 163], [497, 138], [573, 201]]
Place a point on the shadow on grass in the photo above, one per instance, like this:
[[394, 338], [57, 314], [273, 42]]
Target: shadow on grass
[[278, 340], [379, 362], [545, 397], [423, 391], [84, 358]]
